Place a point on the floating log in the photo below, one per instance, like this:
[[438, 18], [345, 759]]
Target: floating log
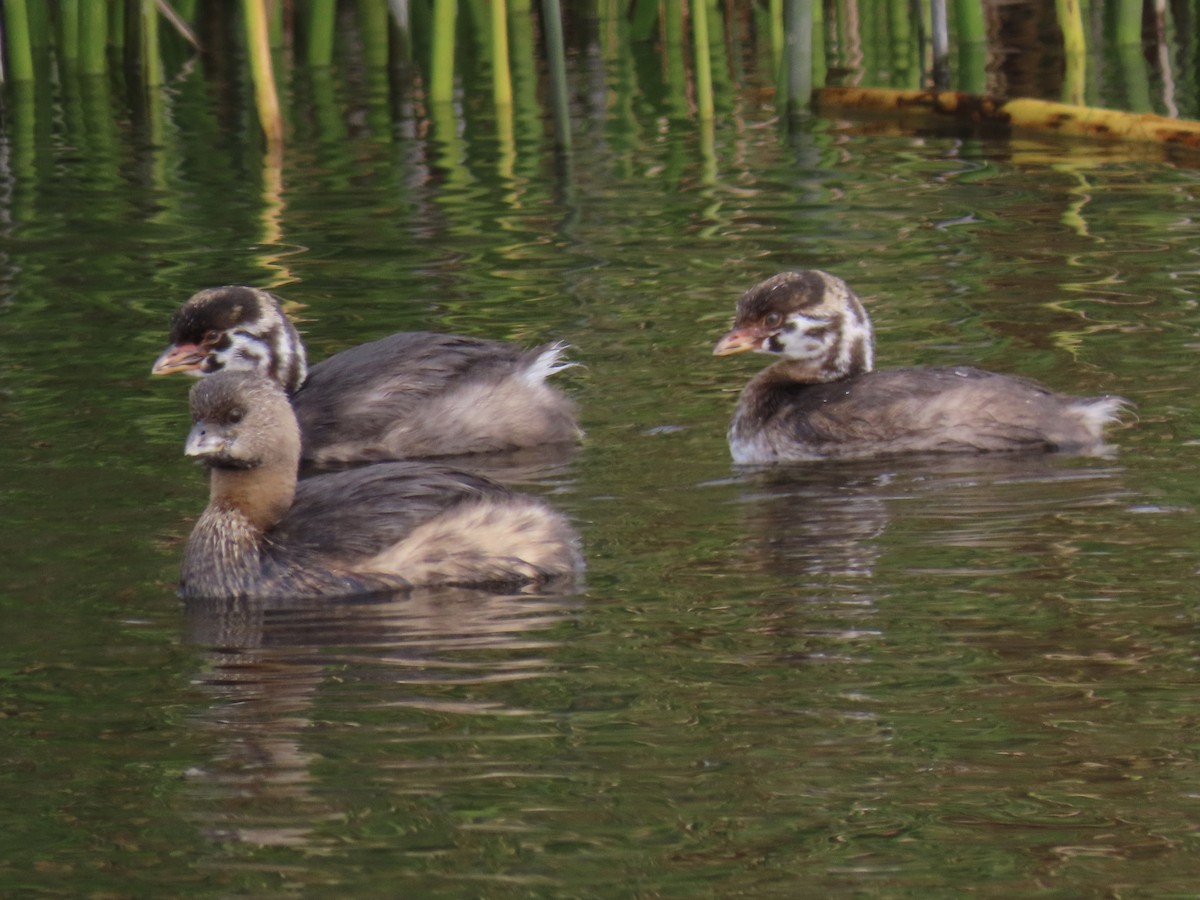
[[1039, 115]]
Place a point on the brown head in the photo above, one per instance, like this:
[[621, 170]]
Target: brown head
[[244, 430], [810, 317], [234, 328]]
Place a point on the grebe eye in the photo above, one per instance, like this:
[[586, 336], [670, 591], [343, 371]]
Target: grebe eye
[[211, 337], [773, 320]]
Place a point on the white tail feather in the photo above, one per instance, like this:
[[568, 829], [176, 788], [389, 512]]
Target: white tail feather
[[548, 362]]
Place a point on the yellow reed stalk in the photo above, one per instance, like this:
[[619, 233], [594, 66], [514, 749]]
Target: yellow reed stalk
[[501, 75], [258, 45], [441, 57], [704, 93]]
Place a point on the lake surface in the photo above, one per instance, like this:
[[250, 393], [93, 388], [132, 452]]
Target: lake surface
[[891, 677]]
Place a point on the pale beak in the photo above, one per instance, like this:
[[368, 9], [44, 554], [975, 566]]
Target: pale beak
[[203, 442], [739, 340], [179, 358]]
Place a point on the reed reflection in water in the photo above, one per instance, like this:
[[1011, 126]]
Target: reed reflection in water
[[854, 549], [398, 676]]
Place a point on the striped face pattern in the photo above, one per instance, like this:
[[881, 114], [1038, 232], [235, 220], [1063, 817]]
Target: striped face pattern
[[237, 329], [811, 317]]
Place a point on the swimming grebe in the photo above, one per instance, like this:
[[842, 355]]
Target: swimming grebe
[[822, 399], [413, 394]]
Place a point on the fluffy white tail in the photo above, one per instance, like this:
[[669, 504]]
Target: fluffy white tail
[[501, 541]]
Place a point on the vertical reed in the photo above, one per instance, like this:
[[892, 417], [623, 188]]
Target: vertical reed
[[441, 64], [68, 33], [318, 32], [1129, 22], [675, 65], [879, 41], [523, 55], [645, 19], [904, 58], [704, 94], [148, 44], [552, 23], [374, 31], [93, 34], [798, 25], [1070, 20], [17, 43], [775, 26], [116, 23], [502, 92], [972, 46], [258, 47]]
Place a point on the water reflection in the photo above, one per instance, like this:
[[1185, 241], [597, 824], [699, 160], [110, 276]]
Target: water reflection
[[286, 684], [823, 675], [828, 519]]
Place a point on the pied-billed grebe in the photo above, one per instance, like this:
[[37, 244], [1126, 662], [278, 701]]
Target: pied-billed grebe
[[382, 527], [413, 394], [822, 400]]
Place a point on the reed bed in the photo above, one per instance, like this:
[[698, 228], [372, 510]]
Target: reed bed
[[801, 45]]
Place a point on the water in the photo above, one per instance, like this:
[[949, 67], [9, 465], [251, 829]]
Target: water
[[886, 677]]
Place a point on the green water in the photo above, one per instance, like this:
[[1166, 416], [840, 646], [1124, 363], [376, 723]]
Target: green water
[[890, 678]]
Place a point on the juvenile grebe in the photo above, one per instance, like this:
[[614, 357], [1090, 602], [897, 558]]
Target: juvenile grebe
[[822, 399], [410, 395]]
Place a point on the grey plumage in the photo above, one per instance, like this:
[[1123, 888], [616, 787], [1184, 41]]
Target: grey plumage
[[384, 527]]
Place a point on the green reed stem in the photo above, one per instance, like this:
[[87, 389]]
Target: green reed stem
[[820, 62], [39, 24], [152, 71], [116, 24], [523, 55], [704, 93], [673, 24], [478, 20], [676, 68], [1129, 22], [68, 30], [719, 45], [375, 30], [441, 64], [972, 46], [319, 32], [552, 19], [1135, 79], [775, 8], [93, 34], [905, 65], [275, 23], [969, 21], [502, 91], [17, 41], [645, 19]]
